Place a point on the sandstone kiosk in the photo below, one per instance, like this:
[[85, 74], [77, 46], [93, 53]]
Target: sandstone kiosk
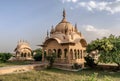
[[67, 42], [23, 51]]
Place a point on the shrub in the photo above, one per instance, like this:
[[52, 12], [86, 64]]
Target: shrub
[[4, 57], [38, 54], [90, 61], [51, 58], [37, 57]]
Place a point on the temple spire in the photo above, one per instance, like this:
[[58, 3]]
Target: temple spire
[[76, 28], [64, 13], [47, 33], [64, 16]]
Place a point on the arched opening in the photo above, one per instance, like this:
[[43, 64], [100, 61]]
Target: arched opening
[[59, 53], [65, 53], [81, 54], [49, 51], [28, 54], [71, 53], [22, 55], [54, 51], [78, 54], [75, 54]]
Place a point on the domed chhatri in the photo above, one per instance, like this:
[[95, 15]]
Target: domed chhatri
[[67, 42], [23, 51]]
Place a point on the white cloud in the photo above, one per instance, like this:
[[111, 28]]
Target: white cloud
[[112, 7], [74, 1], [96, 31]]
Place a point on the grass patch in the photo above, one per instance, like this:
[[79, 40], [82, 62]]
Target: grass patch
[[14, 63], [61, 75]]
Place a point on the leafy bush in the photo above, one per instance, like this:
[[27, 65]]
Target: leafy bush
[[4, 57], [109, 49], [38, 54], [37, 57], [90, 61], [51, 58]]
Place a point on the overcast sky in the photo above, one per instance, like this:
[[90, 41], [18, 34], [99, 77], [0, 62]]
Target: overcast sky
[[29, 20]]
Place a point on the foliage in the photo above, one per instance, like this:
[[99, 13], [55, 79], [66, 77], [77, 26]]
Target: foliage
[[109, 49], [90, 61], [4, 57], [51, 58], [37, 57], [38, 54]]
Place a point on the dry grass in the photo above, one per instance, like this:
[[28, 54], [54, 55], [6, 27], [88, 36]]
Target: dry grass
[[61, 75]]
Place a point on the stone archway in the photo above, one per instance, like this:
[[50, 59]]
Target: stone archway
[[71, 54], [54, 51], [49, 51], [78, 54], [29, 55], [59, 53], [22, 55], [75, 54], [65, 53]]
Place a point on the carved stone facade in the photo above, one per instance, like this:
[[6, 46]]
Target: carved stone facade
[[23, 51], [66, 42]]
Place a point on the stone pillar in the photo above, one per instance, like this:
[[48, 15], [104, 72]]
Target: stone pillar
[[69, 55], [43, 55], [62, 55]]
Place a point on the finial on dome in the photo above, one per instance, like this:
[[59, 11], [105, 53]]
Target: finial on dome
[[52, 29], [47, 33], [64, 16], [75, 25], [64, 13], [76, 28]]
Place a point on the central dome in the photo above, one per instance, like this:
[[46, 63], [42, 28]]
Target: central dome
[[64, 25]]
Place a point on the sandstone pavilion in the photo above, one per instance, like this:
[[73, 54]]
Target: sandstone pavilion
[[66, 42]]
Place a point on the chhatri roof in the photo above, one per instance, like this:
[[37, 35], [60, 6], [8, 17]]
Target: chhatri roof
[[64, 33], [22, 45]]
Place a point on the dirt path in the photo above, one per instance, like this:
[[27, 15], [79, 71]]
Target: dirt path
[[20, 68]]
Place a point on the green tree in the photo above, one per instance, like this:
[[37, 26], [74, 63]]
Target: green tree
[[4, 57], [109, 49], [37, 54]]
